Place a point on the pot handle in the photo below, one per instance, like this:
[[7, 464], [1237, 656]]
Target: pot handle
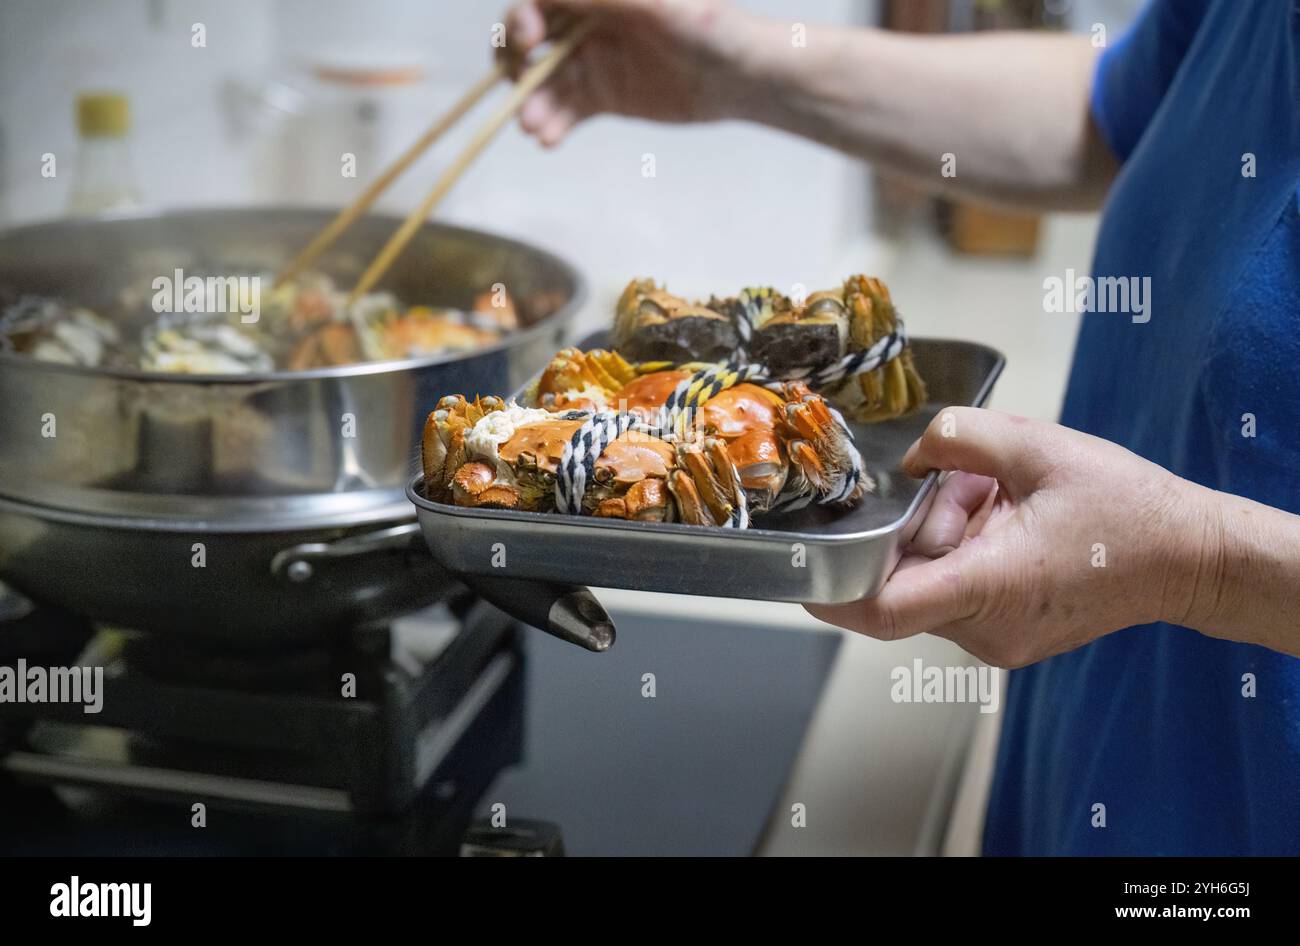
[[569, 612], [297, 564]]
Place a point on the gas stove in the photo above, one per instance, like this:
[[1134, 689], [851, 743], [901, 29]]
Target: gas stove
[[337, 744], [452, 731]]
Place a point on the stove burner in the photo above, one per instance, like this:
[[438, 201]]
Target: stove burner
[[417, 717]]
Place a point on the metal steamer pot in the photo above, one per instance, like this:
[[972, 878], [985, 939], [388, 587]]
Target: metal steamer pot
[[250, 511]]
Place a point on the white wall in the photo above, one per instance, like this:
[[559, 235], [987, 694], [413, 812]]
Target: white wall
[[730, 204], [51, 49]]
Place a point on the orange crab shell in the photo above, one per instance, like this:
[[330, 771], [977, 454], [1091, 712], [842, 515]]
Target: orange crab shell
[[326, 347], [505, 315], [648, 393], [746, 417], [423, 331]]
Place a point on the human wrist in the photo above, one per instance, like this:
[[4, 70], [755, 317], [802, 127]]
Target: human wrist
[[1199, 557], [759, 67]]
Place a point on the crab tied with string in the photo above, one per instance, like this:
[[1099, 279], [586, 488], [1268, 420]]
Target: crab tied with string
[[847, 344], [703, 444]]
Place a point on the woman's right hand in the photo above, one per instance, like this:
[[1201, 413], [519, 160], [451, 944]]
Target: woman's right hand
[[665, 60]]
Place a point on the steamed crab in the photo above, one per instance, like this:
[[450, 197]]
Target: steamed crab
[[828, 328], [487, 453], [823, 340], [651, 323], [54, 330], [747, 449], [376, 328], [775, 436]]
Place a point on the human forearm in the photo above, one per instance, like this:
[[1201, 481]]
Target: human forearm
[[1002, 117], [1010, 108]]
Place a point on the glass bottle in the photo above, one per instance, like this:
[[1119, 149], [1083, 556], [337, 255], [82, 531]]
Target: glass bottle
[[103, 178]]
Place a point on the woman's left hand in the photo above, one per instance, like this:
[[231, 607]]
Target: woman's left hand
[[1042, 539]]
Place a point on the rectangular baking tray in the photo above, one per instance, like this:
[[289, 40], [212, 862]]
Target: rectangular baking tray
[[813, 555]]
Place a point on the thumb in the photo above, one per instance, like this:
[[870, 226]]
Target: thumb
[[1012, 450], [921, 596], [959, 510]]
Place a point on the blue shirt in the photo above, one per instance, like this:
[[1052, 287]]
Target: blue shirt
[[1201, 102]]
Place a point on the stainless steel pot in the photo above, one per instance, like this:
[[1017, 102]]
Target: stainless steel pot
[[110, 480]]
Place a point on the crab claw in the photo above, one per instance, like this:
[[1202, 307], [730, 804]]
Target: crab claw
[[822, 450], [475, 484], [583, 380], [646, 501], [806, 412], [442, 447], [706, 485]]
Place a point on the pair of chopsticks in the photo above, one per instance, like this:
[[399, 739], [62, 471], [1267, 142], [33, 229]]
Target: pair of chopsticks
[[525, 86]]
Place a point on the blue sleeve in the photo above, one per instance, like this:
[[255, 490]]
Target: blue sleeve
[[1134, 73]]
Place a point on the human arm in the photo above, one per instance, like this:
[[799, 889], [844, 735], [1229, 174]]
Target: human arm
[[1011, 109]]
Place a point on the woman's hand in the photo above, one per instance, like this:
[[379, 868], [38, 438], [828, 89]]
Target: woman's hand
[[1045, 539], [666, 60]]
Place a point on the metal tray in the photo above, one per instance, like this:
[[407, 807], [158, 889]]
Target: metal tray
[[814, 555]]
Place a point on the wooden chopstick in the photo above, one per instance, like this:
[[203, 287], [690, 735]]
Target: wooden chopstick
[[348, 215], [527, 83]]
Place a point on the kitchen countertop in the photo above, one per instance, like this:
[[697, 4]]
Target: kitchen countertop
[[874, 776]]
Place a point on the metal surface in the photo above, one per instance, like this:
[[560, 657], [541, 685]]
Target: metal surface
[[251, 590], [813, 555], [296, 564], [216, 586], [105, 516], [568, 612], [319, 444], [277, 734]]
